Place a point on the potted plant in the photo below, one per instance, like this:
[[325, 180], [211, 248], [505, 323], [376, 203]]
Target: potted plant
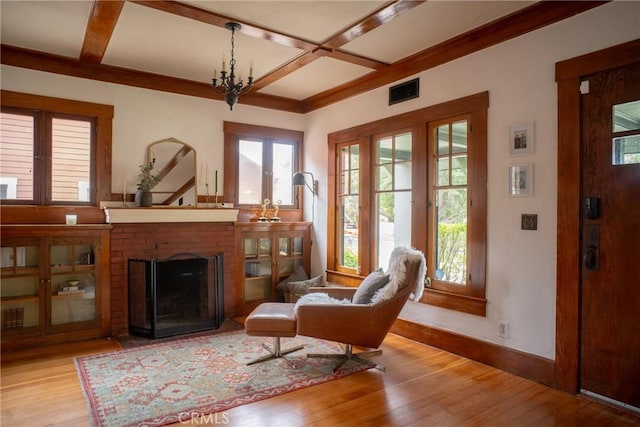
[[147, 180]]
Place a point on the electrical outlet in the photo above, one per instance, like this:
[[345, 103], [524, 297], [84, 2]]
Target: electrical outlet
[[529, 222], [503, 329]]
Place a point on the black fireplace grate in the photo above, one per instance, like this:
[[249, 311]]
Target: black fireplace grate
[[176, 295]]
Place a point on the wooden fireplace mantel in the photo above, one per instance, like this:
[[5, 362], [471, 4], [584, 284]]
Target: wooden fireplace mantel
[[115, 215]]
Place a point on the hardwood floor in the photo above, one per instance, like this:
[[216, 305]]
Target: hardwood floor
[[422, 386]]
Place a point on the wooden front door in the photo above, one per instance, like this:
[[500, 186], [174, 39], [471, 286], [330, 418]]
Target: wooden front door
[[610, 286]]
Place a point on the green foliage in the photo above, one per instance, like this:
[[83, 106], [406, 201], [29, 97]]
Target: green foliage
[[147, 180], [350, 258], [452, 252]]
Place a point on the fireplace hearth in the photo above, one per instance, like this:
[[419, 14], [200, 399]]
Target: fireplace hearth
[[176, 295]]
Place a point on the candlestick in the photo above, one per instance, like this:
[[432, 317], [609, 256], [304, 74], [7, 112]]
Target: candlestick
[[216, 183], [124, 187]]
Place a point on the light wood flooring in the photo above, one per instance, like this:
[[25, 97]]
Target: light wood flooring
[[422, 386]]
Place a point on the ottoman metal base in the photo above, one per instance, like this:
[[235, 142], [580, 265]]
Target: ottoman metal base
[[276, 352]]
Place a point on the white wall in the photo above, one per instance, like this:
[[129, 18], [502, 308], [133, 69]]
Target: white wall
[[519, 75]]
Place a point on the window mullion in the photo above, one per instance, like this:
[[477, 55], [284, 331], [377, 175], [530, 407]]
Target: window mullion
[[45, 141]]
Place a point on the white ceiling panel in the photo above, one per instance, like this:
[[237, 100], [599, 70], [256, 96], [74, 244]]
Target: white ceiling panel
[[311, 20], [319, 75], [150, 40], [426, 25], [56, 27]]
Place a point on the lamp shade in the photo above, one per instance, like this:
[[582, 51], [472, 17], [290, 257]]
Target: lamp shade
[[298, 178]]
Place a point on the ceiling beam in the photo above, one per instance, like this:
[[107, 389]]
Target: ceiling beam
[[102, 21], [531, 18], [370, 23], [25, 58]]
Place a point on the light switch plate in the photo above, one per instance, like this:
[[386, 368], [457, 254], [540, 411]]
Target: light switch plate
[[529, 222]]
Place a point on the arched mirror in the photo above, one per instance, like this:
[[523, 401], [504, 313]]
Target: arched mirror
[[175, 166]]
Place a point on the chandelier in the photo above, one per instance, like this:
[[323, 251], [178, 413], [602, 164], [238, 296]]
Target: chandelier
[[229, 86]]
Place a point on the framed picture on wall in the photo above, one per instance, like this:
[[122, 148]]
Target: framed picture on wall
[[521, 179], [521, 139]]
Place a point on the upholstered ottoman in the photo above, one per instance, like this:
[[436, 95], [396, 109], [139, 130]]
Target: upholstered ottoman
[[273, 319]]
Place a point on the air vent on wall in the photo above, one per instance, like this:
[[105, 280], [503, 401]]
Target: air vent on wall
[[404, 91]]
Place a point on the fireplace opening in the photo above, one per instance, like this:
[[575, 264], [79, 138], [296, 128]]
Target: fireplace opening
[[180, 294]]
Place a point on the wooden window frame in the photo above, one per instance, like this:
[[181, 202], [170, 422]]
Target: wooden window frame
[[102, 115], [232, 134], [475, 106]]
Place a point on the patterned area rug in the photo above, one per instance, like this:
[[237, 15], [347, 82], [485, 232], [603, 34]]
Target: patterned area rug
[[181, 380]]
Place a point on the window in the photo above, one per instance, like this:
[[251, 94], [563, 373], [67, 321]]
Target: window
[[49, 155], [448, 193], [348, 202], [260, 163], [392, 194], [418, 179], [54, 151]]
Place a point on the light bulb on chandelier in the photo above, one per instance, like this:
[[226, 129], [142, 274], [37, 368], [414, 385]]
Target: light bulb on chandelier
[[229, 86]]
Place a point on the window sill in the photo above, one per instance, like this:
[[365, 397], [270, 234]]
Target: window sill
[[452, 301]]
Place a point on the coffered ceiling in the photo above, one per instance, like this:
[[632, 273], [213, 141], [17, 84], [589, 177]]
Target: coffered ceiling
[[305, 54]]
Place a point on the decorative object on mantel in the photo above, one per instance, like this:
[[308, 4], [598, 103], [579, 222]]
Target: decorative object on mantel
[[276, 206], [147, 181], [263, 214], [228, 86]]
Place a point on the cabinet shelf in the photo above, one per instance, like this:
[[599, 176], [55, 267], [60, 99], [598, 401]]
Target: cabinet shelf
[[19, 299], [79, 295], [256, 278]]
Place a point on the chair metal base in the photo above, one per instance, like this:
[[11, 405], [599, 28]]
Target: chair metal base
[[350, 355], [276, 352]]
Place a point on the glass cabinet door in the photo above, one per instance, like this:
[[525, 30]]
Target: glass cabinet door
[[73, 283], [258, 268], [290, 255], [20, 287]]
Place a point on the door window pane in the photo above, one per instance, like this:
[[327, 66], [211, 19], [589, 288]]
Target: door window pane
[[250, 172], [16, 156], [626, 150], [626, 116], [71, 160], [626, 142]]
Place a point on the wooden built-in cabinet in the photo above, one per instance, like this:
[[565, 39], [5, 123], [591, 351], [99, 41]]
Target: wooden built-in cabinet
[[55, 283], [267, 253]]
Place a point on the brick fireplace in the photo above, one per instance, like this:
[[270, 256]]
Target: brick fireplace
[[162, 240]]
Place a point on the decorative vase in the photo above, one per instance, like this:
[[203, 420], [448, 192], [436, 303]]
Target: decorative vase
[[143, 198]]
